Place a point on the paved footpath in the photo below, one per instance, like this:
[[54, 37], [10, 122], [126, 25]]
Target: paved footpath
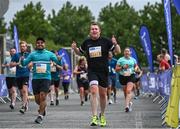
[[69, 114]]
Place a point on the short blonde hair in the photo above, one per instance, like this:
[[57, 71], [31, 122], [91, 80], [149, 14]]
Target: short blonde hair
[[23, 42], [81, 59]]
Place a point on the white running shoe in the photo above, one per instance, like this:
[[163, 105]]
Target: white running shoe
[[130, 106], [110, 101]]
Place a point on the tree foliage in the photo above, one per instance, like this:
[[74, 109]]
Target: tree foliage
[[122, 21], [2, 26], [31, 22], [153, 17], [70, 23]]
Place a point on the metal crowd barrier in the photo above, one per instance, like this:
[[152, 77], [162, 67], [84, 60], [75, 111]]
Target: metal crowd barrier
[[4, 96], [158, 87]]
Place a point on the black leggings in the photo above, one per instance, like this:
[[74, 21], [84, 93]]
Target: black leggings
[[65, 87]]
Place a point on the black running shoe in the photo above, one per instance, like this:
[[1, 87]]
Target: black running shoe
[[57, 102], [82, 103], [22, 110], [127, 109], [52, 103], [86, 98], [39, 120], [11, 106]]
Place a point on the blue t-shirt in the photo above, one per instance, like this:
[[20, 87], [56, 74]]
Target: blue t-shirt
[[21, 71], [112, 66], [41, 60], [131, 62]]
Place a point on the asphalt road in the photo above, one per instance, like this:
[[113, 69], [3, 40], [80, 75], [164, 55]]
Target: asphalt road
[[69, 114]]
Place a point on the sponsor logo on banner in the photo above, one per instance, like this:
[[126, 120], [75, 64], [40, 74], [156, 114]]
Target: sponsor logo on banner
[[167, 14], [146, 44], [3, 87]]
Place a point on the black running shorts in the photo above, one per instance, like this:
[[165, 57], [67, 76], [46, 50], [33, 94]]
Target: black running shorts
[[125, 79], [21, 81], [55, 83], [101, 77], [40, 85], [10, 82]]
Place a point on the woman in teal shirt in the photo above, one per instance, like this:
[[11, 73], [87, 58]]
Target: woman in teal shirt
[[126, 67]]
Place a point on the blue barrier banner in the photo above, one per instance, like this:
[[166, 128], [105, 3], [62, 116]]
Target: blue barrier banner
[[16, 39], [144, 83], [146, 44], [177, 5], [65, 57], [167, 14], [152, 82], [165, 82], [30, 83], [3, 87], [134, 54]]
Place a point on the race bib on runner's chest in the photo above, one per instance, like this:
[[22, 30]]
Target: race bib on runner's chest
[[41, 68], [67, 77], [12, 70], [53, 68], [95, 52]]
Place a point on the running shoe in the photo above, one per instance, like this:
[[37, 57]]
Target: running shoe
[[127, 109], [39, 120], [57, 102], [94, 120], [11, 106], [82, 103], [23, 109], [136, 97], [52, 103], [102, 120], [110, 101], [86, 98], [130, 106]]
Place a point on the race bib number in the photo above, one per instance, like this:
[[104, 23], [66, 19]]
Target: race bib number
[[95, 52], [67, 77], [84, 75], [13, 70], [127, 73], [41, 68], [53, 68]]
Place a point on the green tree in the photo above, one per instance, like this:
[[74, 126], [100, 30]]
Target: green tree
[[153, 17], [122, 21], [2, 26], [70, 23], [31, 22]]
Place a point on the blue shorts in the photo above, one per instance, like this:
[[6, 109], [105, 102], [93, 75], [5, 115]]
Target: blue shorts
[[112, 80]]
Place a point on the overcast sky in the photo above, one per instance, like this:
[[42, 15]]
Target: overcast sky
[[94, 5]]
